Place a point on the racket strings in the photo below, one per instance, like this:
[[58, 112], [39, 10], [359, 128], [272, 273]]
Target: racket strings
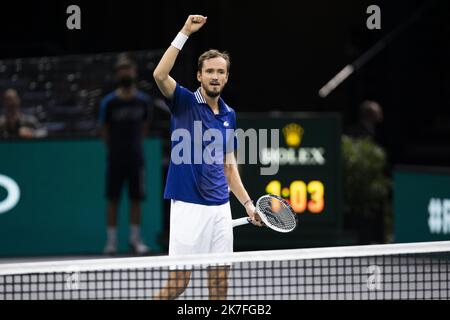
[[277, 213]]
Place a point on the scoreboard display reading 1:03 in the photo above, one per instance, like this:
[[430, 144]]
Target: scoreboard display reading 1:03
[[301, 196], [308, 174]]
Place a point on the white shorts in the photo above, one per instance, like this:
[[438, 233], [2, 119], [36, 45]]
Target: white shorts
[[196, 229]]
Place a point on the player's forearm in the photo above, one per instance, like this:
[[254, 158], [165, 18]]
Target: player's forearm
[[235, 184], [162, 71], [164, 81]]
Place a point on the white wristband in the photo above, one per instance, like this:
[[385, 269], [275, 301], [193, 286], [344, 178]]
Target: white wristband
[[179, 40]]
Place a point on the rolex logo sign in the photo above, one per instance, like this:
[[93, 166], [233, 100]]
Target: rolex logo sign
[[293, 135], [294, 154]]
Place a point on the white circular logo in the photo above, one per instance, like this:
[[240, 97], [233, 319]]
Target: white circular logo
[[13, 194]]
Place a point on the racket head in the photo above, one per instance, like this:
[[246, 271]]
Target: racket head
[[276, 213]]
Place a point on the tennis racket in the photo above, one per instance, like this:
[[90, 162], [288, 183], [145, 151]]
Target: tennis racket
[[275, 212]]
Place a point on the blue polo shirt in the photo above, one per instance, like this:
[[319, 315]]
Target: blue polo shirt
[[200, 140]]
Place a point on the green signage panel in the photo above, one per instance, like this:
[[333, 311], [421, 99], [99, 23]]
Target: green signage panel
[[308, 177], [421, 204], [52, 198]]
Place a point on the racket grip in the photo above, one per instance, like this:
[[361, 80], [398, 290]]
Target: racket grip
[[240, 222]]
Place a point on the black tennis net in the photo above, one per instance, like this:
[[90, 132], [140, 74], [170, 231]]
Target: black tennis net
[[399, 271]]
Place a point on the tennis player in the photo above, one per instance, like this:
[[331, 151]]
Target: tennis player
[[200, 214]]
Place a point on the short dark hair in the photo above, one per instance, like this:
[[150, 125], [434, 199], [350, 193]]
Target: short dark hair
[[211, 54]]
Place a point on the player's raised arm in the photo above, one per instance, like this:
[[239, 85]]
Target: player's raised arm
[[161, 73]]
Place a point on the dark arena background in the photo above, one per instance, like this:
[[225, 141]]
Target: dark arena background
[[364, 156]]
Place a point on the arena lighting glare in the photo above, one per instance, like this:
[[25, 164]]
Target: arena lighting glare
[[336, 81], [326, 90], [13, 194]]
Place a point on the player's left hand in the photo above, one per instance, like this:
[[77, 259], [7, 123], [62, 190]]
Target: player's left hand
[[254, 217]]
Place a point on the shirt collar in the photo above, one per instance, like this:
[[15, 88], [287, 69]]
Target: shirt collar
[[201, 100], [199, 97]]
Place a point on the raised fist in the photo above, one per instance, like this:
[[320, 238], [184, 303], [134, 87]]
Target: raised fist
[[193, 24]]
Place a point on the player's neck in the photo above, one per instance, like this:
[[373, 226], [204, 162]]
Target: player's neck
[[213, 103]]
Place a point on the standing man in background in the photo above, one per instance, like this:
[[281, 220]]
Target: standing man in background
[[124, 116]]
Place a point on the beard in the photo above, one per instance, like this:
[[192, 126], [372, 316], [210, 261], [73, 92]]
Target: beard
[[212, 94]]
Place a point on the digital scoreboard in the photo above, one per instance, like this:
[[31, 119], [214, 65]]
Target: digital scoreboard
[[306, 172]]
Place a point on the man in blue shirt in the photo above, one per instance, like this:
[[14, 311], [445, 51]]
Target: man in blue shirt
[[203, 167], [124, 116]]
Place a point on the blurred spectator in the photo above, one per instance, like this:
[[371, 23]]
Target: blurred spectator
[[15, 124], [370, 116], [368, 187], [124, 116]]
